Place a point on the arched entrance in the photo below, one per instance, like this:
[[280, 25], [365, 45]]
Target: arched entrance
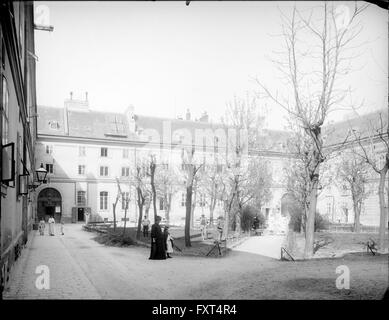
[[49, 204]]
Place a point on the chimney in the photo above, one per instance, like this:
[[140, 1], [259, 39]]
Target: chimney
[[77, 104], [204, 117], [131, 118], [187, 117], [66, 118]]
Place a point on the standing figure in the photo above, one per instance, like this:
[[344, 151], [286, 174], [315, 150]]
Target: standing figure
[[42, 226], [158, 249], [219, 227], [168, 241], [51, 225], [203, 226], [145, 226], [62, 227], [256, 223]]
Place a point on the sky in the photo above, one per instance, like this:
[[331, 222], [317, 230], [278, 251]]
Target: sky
[[166, 57]]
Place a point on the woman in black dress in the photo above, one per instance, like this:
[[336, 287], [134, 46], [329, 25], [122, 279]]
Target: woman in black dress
[[158, 249]]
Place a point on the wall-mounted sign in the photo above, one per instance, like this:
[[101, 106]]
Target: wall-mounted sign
[[57, 209]]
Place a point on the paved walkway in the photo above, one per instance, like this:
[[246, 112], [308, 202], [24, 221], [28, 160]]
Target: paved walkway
[[267, 245], [81, 268]]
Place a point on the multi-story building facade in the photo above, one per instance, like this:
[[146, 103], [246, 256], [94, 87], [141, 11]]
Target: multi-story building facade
[[86, 152], [18, 129], [335, 199]]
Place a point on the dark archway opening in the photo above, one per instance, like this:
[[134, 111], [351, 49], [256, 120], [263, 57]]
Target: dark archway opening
[[49, 204]]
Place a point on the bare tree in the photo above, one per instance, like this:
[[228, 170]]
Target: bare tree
[[211, 186], [140, 184], [190, 169], [374, 149], [244, 118], [117, 199], [125, 201], [167, 184], [315, 92], [353, 175], [151, 173]]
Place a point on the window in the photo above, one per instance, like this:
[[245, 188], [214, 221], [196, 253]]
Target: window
[[4, 111], [49, 168], [183, 200], [81, 169], [329, 208], [81, 151], [104, 152], [103, 200], [125, 198], [49, 149], [161, 204], [81, 198], [125, 171], [125, 153], [103, 171]]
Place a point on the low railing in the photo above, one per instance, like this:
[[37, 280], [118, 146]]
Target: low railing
[[350, 228], [285, 253]]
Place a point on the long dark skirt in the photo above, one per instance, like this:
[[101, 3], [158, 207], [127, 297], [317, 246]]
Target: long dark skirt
[[158, 251]]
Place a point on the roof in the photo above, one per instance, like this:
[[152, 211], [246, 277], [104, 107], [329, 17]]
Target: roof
[[363, 125], [85, 124], [109, 125]]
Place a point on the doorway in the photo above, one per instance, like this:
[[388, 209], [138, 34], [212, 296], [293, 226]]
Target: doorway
[[49, 204], [81, 214]]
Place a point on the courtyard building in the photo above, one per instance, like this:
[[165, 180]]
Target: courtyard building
[[17, 129], [87, 152]]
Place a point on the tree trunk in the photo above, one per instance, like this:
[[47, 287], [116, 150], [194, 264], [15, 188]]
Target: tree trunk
[[211, 210], [114, 215], [193, 209], [168, 202], [357, 214], [125, 219], [383, 212], [154, 195], [188, 205], [310, 222], [140, 206]]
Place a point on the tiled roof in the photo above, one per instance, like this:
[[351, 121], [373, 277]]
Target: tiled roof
[[47, 116], [90, 124], [363, 125], [109, 125]]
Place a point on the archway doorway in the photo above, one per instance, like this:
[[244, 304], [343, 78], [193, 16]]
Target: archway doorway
[[49, 204]]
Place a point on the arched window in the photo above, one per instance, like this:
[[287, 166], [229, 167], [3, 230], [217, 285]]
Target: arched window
[[103, 200]]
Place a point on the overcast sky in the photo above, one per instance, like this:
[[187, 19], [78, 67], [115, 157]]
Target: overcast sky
[[165, 57]]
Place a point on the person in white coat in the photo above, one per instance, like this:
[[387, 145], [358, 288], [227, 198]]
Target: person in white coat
[[51, 225]]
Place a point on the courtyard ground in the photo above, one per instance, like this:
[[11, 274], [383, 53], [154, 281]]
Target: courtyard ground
[[81, 268]]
